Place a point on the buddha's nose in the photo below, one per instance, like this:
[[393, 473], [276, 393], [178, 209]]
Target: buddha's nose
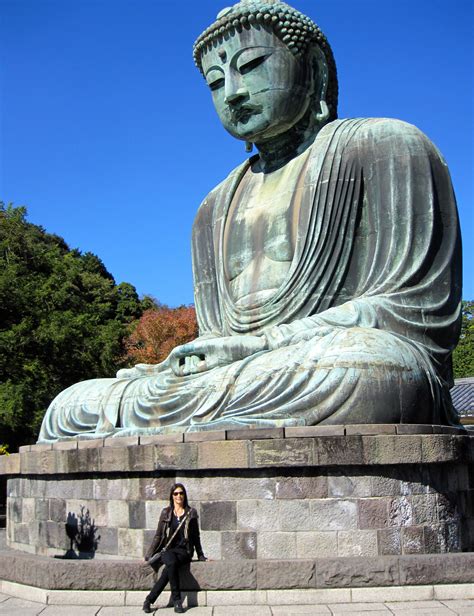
[[235, 96]]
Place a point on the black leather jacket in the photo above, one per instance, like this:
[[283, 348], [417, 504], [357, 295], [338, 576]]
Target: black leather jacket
[[191, 533]]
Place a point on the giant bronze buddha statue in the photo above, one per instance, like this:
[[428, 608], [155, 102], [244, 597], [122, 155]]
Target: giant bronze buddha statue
[[326, 267]]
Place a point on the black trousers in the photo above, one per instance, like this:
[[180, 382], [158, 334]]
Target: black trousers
[[172, 560]]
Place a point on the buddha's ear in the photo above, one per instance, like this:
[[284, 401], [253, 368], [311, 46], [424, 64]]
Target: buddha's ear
[[320, 76]]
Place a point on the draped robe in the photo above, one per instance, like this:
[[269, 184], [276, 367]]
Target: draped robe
[[360, 331]]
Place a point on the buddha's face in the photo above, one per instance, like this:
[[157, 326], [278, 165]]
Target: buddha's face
[[260, 90]]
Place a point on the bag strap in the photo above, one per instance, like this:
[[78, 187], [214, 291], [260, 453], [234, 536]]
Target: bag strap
[[177, 529]]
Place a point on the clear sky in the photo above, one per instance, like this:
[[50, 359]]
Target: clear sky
[[109, 137]]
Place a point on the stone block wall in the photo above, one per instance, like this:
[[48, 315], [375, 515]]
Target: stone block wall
[[272, 495], [320, 513]]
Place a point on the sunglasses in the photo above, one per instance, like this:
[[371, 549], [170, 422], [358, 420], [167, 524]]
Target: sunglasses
[[178, 493]]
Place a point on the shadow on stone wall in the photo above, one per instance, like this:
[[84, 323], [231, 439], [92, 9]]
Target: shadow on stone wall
[[82, 533]]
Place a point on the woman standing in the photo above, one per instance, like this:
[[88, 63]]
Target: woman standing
[[178, 535]]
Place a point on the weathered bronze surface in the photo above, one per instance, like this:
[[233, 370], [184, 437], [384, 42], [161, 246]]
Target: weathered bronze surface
[[326, 267]]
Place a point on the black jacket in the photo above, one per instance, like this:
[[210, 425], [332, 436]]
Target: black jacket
[[191, 533]]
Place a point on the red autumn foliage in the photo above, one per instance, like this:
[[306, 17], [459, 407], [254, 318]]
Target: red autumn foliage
[[158, 331]]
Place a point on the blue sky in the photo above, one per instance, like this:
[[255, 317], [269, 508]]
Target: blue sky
[[108, 135]]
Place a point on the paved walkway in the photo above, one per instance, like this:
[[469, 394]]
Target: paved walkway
[[10, 606]]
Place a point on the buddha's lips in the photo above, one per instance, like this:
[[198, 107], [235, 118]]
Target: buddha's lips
[[242, 114]]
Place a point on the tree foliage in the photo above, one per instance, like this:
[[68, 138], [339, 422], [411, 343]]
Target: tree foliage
[[62, 320], [463, 356], [158, 331]]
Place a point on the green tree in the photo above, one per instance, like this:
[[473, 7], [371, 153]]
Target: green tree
[[463, 356], [62, 320]]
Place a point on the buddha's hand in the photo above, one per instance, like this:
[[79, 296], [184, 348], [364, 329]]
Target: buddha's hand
[[140, 370], [202, 355]]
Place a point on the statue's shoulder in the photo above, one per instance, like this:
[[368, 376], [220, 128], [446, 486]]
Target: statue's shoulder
[[379, 138], [391, 127], [381, 130]]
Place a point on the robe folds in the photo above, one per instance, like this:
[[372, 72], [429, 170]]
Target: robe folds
[[360, 331]]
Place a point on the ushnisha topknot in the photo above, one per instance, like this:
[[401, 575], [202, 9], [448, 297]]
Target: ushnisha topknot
[[296, 30]]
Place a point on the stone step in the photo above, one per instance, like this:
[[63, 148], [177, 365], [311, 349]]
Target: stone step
[[249, 575], [426, 599]]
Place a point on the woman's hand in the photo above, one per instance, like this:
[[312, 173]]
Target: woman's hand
[[203, 355]]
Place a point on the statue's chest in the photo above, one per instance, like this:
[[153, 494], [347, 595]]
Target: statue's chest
[[261, 225]]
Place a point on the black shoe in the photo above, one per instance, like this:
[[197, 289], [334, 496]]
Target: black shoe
[[178, 607], [147, 607]]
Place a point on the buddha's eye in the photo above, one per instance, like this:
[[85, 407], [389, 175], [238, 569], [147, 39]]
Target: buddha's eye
[[216, 84], [246, 67], [215, 78]]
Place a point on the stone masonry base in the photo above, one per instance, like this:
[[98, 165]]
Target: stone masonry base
[[298, 493], [312, 510]]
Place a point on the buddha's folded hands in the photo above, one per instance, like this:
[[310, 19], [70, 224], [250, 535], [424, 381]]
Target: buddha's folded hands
[[202, 355]]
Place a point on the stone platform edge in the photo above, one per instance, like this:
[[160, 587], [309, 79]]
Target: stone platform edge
[[431, 592], [322, 574], [377, 444]]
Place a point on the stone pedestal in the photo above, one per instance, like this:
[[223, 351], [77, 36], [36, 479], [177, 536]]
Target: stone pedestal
[[298, 493]]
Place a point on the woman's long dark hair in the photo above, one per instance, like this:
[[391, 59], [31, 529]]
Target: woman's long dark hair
[[173, 488]]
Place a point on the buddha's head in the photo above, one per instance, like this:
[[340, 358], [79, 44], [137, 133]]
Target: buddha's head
[[269, 68]]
